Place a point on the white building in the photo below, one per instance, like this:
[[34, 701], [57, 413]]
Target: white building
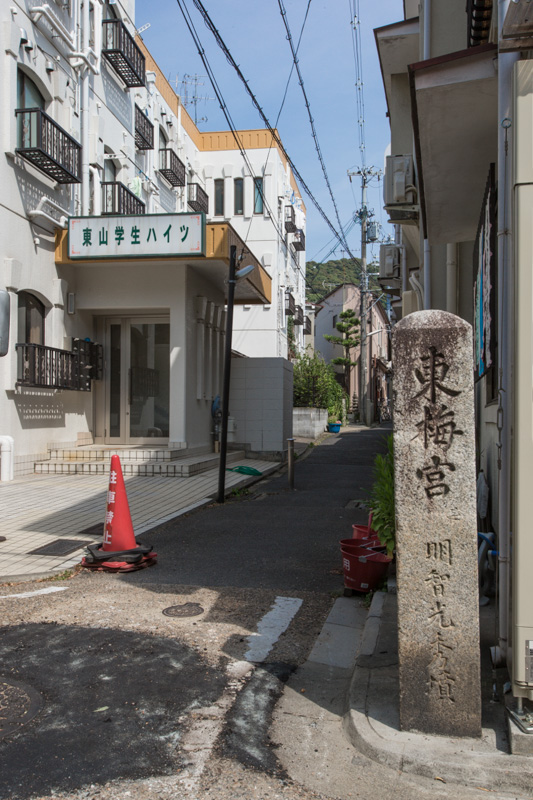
[[117, 313]]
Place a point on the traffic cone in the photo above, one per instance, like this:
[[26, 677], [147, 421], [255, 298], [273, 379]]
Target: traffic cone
[[119, 552]]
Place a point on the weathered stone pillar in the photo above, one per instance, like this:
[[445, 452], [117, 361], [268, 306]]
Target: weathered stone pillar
[[436, 525]]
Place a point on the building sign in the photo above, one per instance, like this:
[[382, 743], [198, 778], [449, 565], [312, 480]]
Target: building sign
[[143, 236]]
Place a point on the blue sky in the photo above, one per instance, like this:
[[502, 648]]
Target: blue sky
[[255, 35]]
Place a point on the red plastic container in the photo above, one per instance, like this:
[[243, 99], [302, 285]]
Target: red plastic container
[[364, 571], [372, 543]]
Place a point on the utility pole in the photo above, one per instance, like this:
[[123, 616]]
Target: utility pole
[[365, 173]]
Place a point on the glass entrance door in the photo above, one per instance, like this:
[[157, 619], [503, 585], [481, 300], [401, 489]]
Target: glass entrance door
[[137, 381]]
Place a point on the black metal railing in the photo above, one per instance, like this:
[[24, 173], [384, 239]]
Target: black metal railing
[[47, 146], [171, 167], [91, 361], [197, 198], [299, 239], [117, 199], [119, 48], [144, 130], [290, 304], [290, 219], [299, 316], [50, 368], [307, 326]]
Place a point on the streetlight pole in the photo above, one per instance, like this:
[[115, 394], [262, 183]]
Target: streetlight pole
[[227, 373], [365, 174], [234, 276]]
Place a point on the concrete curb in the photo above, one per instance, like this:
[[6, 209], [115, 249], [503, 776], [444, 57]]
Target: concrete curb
[[372, 726]]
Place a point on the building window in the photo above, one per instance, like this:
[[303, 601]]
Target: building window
[[219, 197], [31, 319], [258, 195], [334, 320], [239, 196]]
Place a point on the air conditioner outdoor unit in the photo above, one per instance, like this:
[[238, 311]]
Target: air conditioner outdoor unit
[[398, 187], [389, 261]]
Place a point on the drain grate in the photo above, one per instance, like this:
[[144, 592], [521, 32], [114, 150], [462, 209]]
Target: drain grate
[[185, 610], [60, 547], [18, 705]]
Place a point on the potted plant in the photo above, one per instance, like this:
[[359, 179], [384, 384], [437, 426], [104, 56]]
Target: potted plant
[[334, 425]]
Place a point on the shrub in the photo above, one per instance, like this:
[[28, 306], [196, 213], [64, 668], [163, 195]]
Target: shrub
[[315, 385], [382, 498]]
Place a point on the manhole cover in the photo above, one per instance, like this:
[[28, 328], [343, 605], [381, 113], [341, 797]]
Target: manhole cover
[[60, 547], [18, 705], [185, 610]]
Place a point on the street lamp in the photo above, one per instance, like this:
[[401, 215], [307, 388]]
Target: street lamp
[[234, 276]]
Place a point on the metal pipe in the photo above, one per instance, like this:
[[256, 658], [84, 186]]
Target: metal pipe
[[505, 339], [7, 457], [451, 278], [427, 30], [85, 174], [227, 373], [290, 463], [45, 11], [427, 275], [61, 223], [97, 194]]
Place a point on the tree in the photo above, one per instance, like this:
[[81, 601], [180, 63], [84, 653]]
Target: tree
[[348, 327], [315, 385]]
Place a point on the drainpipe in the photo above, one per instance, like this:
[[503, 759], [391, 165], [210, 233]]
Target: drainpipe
[[506, 62], [451, 278], [7, 457], [427, 251], [97, 193], [85, 174], [427, 275]]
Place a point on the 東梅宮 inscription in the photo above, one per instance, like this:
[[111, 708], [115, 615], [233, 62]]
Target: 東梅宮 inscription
[[435, 485]]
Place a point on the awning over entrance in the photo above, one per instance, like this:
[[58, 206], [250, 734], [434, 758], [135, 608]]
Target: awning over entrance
[[213, 265], [455, 117]]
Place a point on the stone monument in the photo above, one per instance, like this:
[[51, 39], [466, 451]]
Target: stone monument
[[436, 525]]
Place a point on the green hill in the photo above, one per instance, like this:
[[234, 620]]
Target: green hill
[[322, 278]]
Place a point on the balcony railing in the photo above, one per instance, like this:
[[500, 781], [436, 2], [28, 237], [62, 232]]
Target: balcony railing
[[171, 167], [43, 143], [117, 199], [299, 316], [144, 130], [49, 368], [307, 326], [290, 304], [120, 50], [197, 198], [299, 239], [290, 219]]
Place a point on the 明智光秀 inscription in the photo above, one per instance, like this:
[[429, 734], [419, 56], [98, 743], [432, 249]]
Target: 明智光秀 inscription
[[436, 525]]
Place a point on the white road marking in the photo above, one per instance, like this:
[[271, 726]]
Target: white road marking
[[271, 626], [39, 591]]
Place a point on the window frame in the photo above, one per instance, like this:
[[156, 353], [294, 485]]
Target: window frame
[[218, 197], [31, 319], [259, 191], [238, 211]]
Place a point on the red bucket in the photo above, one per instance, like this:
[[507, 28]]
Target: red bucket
[[364, 571], [372, 543]]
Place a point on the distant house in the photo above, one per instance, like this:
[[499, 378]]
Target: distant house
[[344, 297]]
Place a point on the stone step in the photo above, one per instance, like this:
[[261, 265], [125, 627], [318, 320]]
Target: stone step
[[139, 454], [178, 468]]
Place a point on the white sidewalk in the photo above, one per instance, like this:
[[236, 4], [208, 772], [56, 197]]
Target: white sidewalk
[[40, 509]]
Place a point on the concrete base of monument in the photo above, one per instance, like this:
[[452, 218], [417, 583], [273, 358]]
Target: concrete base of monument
[[372, 722]]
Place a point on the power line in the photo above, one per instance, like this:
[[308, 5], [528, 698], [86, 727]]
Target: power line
[[229, 120], [308, 107], [210, 25]]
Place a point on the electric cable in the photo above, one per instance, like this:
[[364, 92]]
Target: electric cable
[[210, 25]]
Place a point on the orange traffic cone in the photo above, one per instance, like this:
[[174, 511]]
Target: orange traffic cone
[[119, 552]]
